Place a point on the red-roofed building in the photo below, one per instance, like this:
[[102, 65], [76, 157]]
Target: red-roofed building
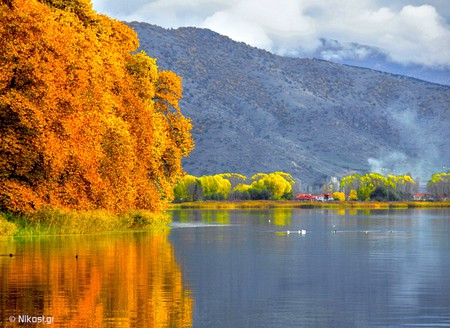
[[305, 197], [420, 196]]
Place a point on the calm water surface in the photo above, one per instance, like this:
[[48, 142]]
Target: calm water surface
[[240, 269]]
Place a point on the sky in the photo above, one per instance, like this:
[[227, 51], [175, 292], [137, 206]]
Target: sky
[[408, 32]]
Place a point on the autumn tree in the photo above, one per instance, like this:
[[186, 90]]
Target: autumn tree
[[377, 186], [234, 178], [350, 184], [338, 195], [85, 121], [241, 191], [439, 185], [215, 187], [276, 185], [187, 189]]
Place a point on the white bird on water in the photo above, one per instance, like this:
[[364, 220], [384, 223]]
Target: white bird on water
[[300, 232]]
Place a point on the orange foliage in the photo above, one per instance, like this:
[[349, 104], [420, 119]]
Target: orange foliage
[[85, 123]]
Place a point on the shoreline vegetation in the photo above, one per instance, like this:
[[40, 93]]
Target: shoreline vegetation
[[292, 204], [57, 221]]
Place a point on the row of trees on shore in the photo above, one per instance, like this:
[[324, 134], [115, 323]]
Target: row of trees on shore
[[374, 186], [279, 185], [232, 186]]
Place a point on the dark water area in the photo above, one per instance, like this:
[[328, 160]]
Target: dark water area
[[379, 269], [238, 268]]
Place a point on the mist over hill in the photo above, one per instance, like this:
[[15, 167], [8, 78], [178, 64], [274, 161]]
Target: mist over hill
[[257, 112]]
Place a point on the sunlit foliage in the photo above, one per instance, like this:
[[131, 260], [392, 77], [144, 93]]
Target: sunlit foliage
[[85, 122], [353, 195], [276, 185], [187, 189], [215, 187], [377, 186], [349, 183], [339, 195], [439, 184]]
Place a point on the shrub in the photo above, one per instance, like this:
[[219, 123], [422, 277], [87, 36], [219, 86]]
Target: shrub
[[340, 196], [7, 228]]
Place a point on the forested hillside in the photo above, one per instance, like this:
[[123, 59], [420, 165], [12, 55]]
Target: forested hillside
[[254, 112]]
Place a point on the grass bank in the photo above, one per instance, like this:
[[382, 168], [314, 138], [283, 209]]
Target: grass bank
[[268, 204], [56, 221]]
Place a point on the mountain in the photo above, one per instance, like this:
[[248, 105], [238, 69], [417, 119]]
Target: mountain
[[257, 112]]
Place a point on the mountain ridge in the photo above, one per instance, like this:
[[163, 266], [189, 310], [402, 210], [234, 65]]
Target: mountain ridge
[[254, 111], [364, 56]]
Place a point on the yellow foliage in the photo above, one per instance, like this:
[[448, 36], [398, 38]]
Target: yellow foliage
[[340, 196], [353, 195], [278, 184], [7, 228]]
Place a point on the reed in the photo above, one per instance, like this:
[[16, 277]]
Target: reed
[[443, 204], [58, 221]]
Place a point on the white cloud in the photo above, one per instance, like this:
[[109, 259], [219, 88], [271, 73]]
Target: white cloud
[[277, 26], [409, 31], [413, 35]]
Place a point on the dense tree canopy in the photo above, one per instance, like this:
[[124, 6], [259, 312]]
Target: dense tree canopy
[[85, 122], [377, 186], [275, 185], [439, 185]]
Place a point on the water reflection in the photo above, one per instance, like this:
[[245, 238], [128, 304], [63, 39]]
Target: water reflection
[[120, 280], [205, 216], [282, 217]]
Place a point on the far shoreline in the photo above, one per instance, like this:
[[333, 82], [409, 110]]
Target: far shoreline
[[286, 204], [61, 222]]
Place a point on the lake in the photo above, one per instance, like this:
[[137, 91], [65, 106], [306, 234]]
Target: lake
[[238, 268]]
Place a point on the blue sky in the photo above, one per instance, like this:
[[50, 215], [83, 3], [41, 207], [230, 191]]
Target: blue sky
[[407, 31]]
